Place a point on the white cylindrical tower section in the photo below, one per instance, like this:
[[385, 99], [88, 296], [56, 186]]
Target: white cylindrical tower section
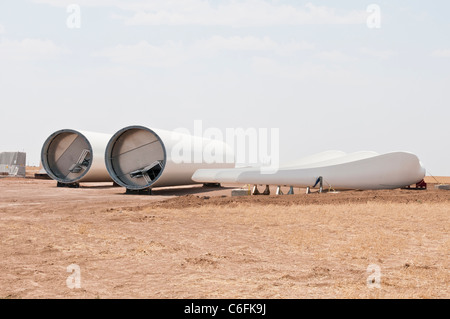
[[138, 157], [70, 156]]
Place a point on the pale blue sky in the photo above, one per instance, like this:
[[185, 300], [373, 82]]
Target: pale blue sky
[[313, 69]]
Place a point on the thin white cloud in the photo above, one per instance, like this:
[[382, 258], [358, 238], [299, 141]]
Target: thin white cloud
[[244, 14], [441, 53], [304, 72], [144, 54], [335, 56], [29, 50], [2, 29], [223, 13], [171, 54], [379, 54], [84, 3], [251, 43]]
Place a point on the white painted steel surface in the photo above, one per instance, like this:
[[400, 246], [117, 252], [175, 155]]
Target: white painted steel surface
[[72, 156], [133, 154]]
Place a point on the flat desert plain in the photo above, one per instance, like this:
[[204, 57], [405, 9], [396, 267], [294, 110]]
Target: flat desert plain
[[196, 242]]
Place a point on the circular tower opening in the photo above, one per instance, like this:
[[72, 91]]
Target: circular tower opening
[[135, 157], [66, 156]]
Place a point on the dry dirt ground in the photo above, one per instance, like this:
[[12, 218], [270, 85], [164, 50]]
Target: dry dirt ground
[[195, 242]]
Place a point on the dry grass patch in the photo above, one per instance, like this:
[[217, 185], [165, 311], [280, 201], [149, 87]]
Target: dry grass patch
[[331, 246], [249, 250]]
